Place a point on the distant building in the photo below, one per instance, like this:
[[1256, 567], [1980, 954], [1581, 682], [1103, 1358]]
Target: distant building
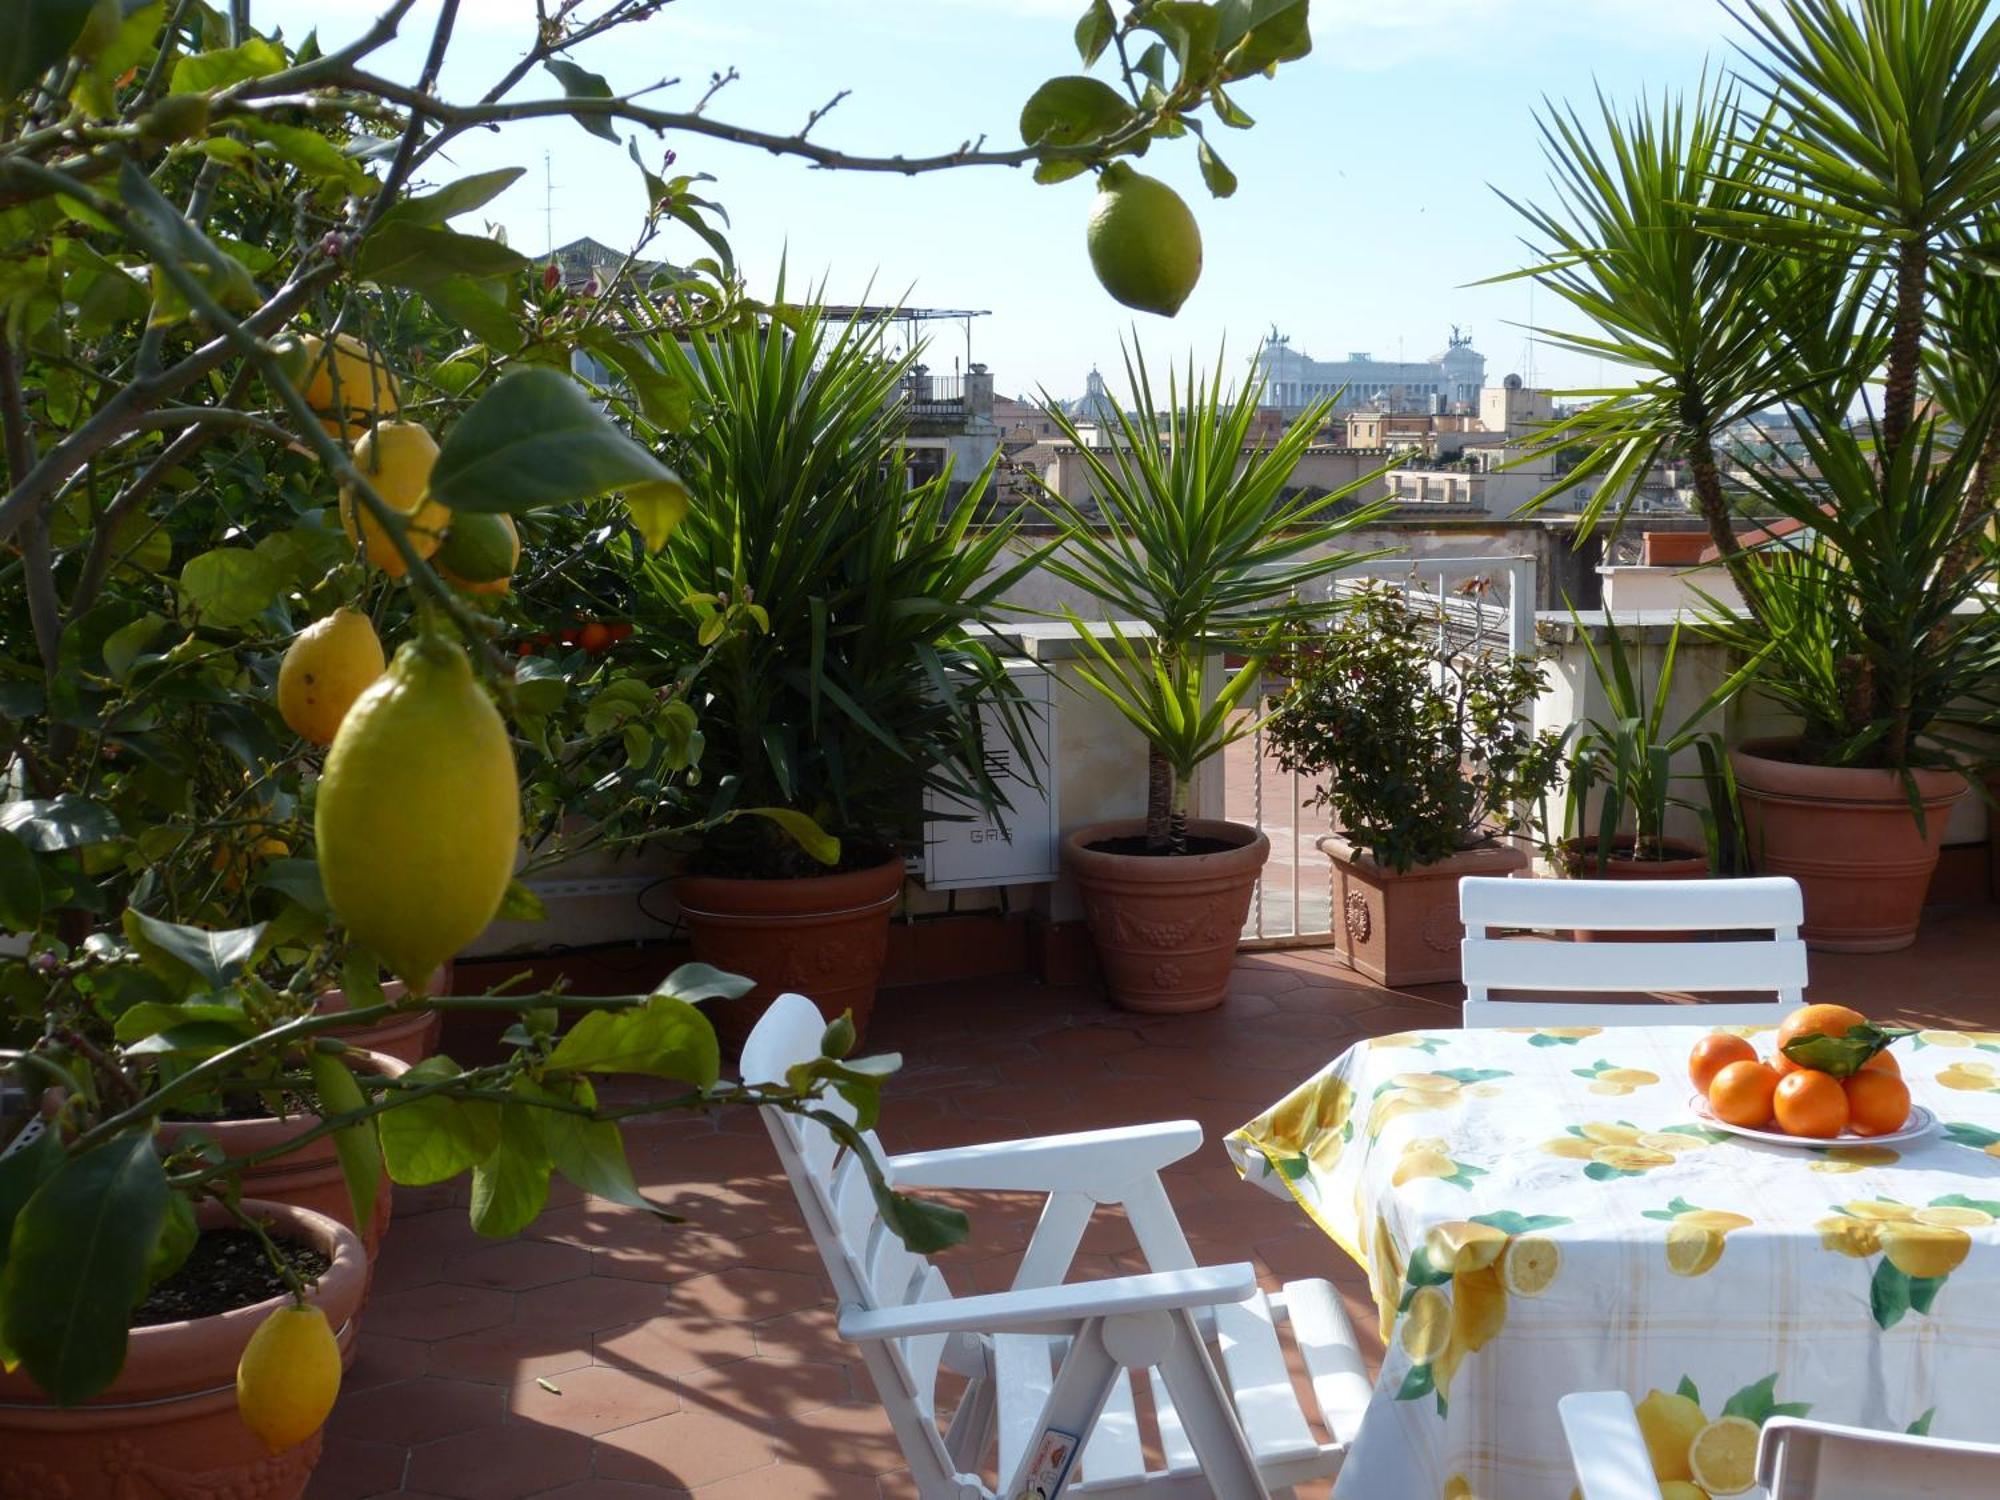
[[1485, 466], [1450, 381]]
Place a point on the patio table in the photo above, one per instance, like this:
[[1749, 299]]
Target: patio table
[[1539, 1211]]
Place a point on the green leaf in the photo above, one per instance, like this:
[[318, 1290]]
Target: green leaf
[[519, 904], [359, 1152], [693, 982], [591, 1153], [1978, 1137], [472, 306], [205, 71], [1417, 1384], [536, 439], [925, 1227], [34, 35], [214, 957], [805, 832], [231, 586], [178, 1232], [20, 1174], [1516, 1223], [1060, 169], [1888, 1294], [510, 1187], [434, 1138], [309, 151], [657, 509], [1420, 1271], [49, 825], [1221, 182], [1922, 1426], [1754, 1402], [96, 90], [1094, 31], [297, 879], [664, 1038], [423, 257], [455, 198], [1072, 111], [77, 1266], [128, 643], [147, 1018], [20, 886], [1688, 1389], [1843, 1056], [1924, 1290], [581, 83], [1960, 1200]]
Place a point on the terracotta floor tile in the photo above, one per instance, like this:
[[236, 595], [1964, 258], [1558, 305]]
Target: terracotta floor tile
[[350, 1469], [853, 1438], [747, 1296], [684, 1451], [791, 1482], [501, 1463], [381, 1358], [518, 1265], [611, 1489], [770, 1386], [500, 1356], [671, 1345], [593, 1399], [418, 1411], [582, 1307], [437, 1312]]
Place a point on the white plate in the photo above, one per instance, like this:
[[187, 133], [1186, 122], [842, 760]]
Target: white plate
[[1921, 1123]]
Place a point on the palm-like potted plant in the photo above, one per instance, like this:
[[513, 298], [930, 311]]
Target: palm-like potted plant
[[1423, 753], [1194, 542], [1838, 233], [839, 607]]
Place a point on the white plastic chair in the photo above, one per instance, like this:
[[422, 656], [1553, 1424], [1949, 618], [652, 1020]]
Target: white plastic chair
[[1774, 964], [1048, 1358], [1797, 1459]]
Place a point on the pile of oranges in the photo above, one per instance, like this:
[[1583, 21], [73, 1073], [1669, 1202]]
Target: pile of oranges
[[1868, 1098]]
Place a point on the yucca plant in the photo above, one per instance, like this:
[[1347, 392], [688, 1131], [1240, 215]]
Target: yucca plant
[[843, 606], [1201, 540]]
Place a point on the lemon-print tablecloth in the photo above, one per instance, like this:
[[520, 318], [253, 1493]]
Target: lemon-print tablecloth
[[1539, 1212]]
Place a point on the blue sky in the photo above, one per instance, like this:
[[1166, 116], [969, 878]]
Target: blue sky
[[1365, 207]]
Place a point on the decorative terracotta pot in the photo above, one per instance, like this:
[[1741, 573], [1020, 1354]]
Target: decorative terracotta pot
[[1401, 927], [408, 1038], [167, 1428], [309, 1177], [1166, 927], [825, 937], [1850, 840], [1685, 862]]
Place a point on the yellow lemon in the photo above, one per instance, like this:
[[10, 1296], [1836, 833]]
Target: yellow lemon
[[1575, 1033], [1397, 1039], [1444, 1369], [1856, 1238], [288, 1376], [479, 552], [1854, 1158], [1637, 1077], [1478, 1308], [1574, 1147], [1530, 1265], [1681, 1489], [1692, 1249], [419, 812], [1460, 1245], [367, 387], [1422, 1164], [1967, 1077], [1925, 1250], [1426, 1325], [396, 458], [1877, 1209], [1632, 1158], [1426, 1143], [1385, 1277], [1670, 1140], [1669, 1421], [1713, 1218], [1944, 1039], [1458, 1487], [1606, 1134], [1144, 243], [1723, 1457], [1950, 1217], [325, 669]]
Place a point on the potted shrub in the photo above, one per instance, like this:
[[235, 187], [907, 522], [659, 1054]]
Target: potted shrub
[[1423, 755], [835, 610], [1621, 772], [1792, 254], [1193, 543]]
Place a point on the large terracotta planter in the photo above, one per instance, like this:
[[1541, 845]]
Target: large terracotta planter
[[1166, 928], [309, 1177], [167, 1428], [1684, 862], [1401, 927], [408, 1038], [825, 937], [1850, 840]]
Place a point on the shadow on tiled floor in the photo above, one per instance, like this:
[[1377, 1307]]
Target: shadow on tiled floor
[[604, 1356]]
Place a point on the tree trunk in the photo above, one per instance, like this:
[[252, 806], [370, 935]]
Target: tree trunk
[[1159, 801], [1177, 817], [1715, 511], [1906, 345]]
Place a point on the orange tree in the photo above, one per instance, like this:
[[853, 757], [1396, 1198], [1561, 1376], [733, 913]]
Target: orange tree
[[263, 403]]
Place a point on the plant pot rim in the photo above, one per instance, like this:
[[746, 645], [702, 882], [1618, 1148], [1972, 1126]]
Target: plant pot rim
[[1251, 845], [1679, 851], [1489, 857], [260, 1132], [1761, 766], [736, 896], [197, 1357]]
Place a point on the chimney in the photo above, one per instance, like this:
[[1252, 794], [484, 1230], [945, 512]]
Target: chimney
[[978, 392]]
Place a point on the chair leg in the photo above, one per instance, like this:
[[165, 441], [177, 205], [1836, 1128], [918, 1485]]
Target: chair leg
[[971, 1431], [1075, 1401], [1208, 1417]]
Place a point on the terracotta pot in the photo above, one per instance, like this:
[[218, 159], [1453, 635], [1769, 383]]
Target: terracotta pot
[[1686, 862], [826, 937], [1849, 839], [167, 1428], [1402, 928], [1166, 928], [407, 1038], [309, 1177]]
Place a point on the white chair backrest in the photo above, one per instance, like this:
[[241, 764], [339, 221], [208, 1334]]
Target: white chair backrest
[[1775, 964], [869, 1266], [1804, 1460]]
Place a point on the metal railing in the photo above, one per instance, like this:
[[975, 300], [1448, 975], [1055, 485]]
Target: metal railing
[[933, 395], [1484, 605]]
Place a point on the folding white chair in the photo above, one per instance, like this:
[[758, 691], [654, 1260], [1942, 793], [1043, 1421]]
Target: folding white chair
[[1050, 1366], [1797, 1459], [1774, 964]]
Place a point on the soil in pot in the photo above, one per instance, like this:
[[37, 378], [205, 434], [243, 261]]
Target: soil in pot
[[1676, 861], [1166, 926], [825, 937], [168, 1427], [227, 1269]]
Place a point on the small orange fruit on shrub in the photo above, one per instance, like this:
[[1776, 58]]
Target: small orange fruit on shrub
[[1741, 1093], [1818, 1020], [1811, 1103], [1715, 1052], [1878, 1101]]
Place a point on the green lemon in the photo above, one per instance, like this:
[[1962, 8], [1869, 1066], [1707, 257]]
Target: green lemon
[[1144, 243], [479, 548]]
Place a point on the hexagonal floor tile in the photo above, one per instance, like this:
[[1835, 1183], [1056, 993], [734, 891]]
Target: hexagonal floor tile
[[594, 1399], [683, 1451]]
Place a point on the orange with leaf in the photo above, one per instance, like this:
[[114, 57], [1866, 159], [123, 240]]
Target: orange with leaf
[[1831, 1076]]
